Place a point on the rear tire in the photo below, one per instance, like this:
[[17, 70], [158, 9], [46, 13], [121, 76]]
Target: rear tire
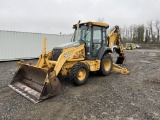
[[106, 65], [79, 73]]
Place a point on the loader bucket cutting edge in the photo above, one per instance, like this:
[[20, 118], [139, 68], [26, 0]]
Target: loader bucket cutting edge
[[31, 83]]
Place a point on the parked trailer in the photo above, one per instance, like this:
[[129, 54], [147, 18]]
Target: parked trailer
[[26, 45]]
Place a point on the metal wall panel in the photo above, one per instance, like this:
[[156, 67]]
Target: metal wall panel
[[25, 45]]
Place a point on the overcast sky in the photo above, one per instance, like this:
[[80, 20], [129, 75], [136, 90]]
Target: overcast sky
[[55, 16]]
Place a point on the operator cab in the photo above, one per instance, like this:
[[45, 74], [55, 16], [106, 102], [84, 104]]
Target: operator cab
[[93, 35]]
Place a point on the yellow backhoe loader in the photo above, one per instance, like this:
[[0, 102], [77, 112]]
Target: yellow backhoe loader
[[88, 52], [130, 46]]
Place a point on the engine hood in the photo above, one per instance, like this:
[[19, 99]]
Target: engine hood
[[68, 45]]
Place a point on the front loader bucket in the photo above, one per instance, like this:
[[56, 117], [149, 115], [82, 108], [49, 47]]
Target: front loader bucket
[[34, 83]]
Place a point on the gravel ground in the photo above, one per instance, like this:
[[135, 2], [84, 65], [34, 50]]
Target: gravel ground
[[116, 97]]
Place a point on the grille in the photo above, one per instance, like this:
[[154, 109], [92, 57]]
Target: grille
[[56, 53]]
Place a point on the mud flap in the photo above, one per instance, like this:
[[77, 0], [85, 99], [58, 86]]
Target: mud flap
[[34, 83]]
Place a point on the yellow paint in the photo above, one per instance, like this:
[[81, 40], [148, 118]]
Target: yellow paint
[[93, 23], [93, 65], [114, 39], [130, 46], [107, 64], [120, 69], [81, 74]]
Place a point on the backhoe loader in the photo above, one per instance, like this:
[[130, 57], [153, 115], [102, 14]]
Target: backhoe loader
[[89, 52], [130, 46]]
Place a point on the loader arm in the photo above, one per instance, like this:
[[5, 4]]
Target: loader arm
[[44, 56]]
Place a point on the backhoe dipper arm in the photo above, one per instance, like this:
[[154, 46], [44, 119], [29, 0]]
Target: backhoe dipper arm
[[114, 38]]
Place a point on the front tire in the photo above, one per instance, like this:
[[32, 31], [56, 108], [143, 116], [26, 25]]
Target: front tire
[[79, 73], [106, 65]]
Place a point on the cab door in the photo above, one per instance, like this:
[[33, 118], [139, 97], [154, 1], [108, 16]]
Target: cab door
[[98, 39]]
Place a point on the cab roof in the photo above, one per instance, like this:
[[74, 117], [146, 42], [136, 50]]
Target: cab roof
[[101, 24]]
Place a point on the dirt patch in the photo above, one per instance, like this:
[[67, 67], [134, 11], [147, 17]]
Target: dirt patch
[[114, 97]]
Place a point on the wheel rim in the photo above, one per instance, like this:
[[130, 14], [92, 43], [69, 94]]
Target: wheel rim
[[81, 74], [107, 64]]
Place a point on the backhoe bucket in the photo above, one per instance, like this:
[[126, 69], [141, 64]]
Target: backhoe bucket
[[34, 83], [121, 57], [120, 60]]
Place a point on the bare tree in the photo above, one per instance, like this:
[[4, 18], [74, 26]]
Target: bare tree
[[131, 33], [157, 26], [147, 36], [100, 20], [135, 34], [150, 27]]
